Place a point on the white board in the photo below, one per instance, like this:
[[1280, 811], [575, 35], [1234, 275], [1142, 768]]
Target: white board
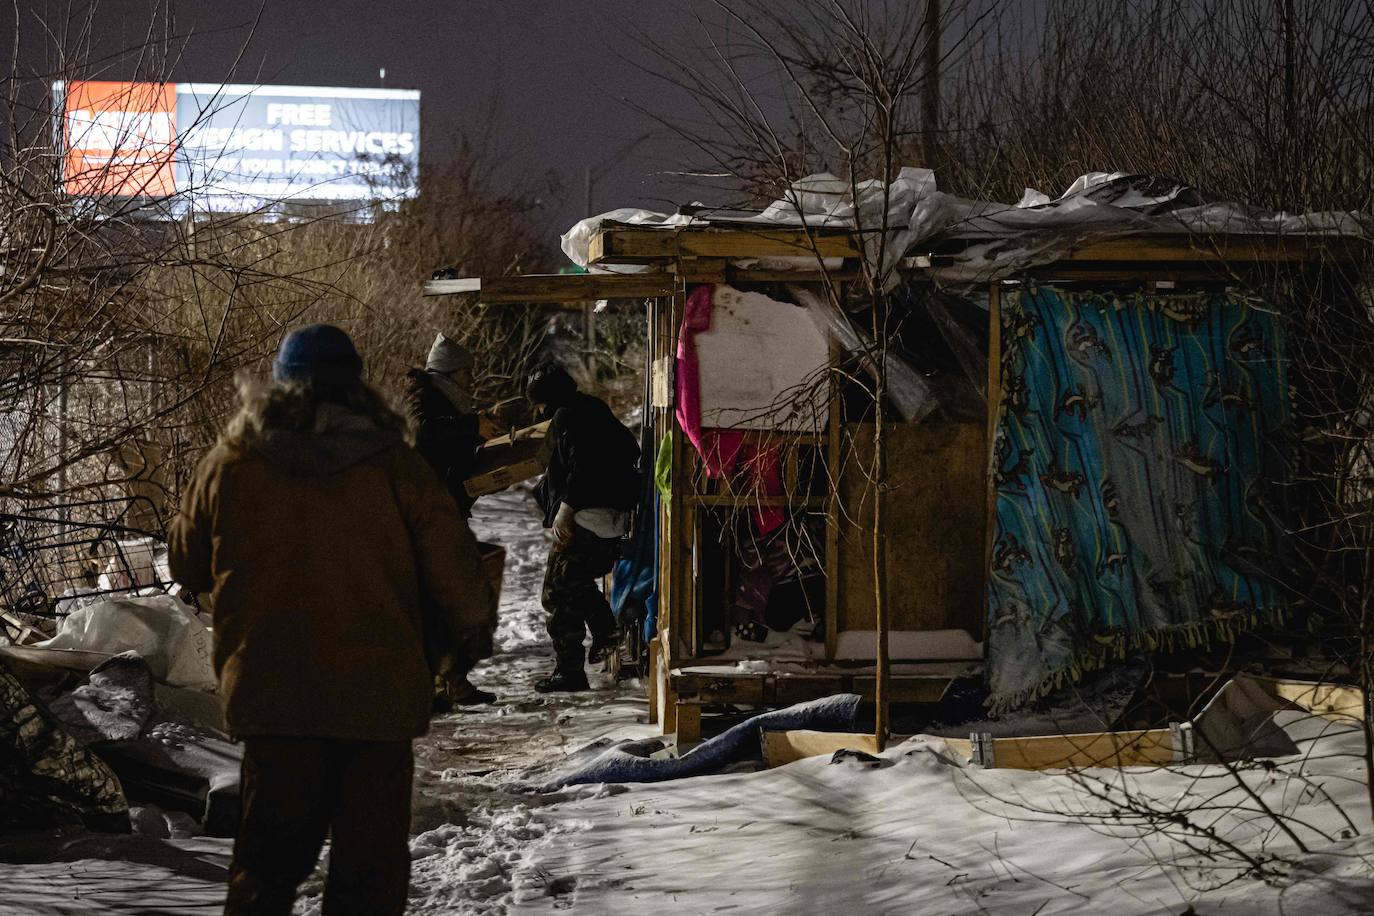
[[762, 365]]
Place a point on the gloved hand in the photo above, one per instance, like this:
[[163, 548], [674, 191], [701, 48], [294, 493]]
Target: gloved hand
[[563, 525]]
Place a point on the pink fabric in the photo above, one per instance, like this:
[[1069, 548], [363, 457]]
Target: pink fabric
[[721, 449]]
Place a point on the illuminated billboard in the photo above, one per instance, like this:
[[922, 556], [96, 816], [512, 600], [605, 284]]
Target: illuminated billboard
[[237, 148]]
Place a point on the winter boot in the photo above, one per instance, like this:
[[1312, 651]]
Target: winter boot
[[563, 682], [448, 694], [466, 693]]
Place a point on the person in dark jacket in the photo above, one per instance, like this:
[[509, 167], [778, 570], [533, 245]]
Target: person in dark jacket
[[588, 489], [327, 549], [440, 407], [439, 403]]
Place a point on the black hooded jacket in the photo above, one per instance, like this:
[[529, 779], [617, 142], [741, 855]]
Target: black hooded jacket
[[446, 437], [593, 459]]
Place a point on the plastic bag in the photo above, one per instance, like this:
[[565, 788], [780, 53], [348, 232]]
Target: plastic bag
[[160, 629]]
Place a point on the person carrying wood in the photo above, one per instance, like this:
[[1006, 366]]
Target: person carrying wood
[[440, 406], [327, 548], [590, 484]]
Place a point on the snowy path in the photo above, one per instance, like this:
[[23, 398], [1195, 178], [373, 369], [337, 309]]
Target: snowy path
[[479, 841], [475, 836]]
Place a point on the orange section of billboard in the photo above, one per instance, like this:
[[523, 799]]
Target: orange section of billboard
[[120, 139]]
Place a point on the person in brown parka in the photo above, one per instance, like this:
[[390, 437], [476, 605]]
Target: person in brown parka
[[329, 550]]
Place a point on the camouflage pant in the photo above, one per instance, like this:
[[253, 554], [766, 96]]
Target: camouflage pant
[[572, 598], [45, 776]]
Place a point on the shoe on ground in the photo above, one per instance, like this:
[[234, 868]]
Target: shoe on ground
[[559, 682]]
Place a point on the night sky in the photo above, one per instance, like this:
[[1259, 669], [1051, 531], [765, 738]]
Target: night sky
[[539, 80]]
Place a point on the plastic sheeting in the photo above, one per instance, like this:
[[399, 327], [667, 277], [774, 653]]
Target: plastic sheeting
[[160, 629], [1034, 230], [906, 388]]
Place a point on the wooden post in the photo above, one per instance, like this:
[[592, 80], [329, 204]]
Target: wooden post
[[994, 406], [832, 513], [677, 545], [880, 691], [664, 696], [688, 728], [655, 659]]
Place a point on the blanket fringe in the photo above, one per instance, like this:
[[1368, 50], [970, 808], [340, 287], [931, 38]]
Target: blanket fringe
[[1108, 648]]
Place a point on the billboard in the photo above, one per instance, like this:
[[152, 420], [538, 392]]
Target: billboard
[[237, 148]]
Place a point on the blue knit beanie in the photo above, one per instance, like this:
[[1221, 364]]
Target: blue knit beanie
[[320, 354]]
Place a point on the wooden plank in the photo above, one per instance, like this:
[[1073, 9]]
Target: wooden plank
[[506, 460], [453, 287], [1334, 701], [708, 689], [677, 546], [990, 444], [502, 478], [1149, 747], [1230, 248], [691, 575], [688, 728], [623, 245], [537, 431], [556, 288], [665, 697], [24, 630], [1128, 254], [779, 689], [782, 748], [655, 661], [661, 382]]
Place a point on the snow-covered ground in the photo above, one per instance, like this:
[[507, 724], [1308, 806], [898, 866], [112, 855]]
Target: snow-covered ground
[[916, 831]]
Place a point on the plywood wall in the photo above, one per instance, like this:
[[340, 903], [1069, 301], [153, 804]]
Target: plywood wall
[[936, 524]]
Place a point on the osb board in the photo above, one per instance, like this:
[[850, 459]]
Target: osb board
[[1152, 747], [935, 520]]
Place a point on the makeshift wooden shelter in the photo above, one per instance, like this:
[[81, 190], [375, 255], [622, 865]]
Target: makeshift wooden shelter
[[982, 554]]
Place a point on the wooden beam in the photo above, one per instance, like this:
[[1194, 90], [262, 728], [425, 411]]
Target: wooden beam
[[556, 288], [784, 689], [655, 661], [1150, 747], [782, 748], [688, 729], [1178, 256], [665, 698], [624, 245], [1230, 248], [24, 631]]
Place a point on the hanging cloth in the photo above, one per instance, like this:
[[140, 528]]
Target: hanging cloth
[[721, 450]]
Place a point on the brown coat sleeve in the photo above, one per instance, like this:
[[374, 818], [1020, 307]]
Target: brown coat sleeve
[[454, 586], [190, 542]]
